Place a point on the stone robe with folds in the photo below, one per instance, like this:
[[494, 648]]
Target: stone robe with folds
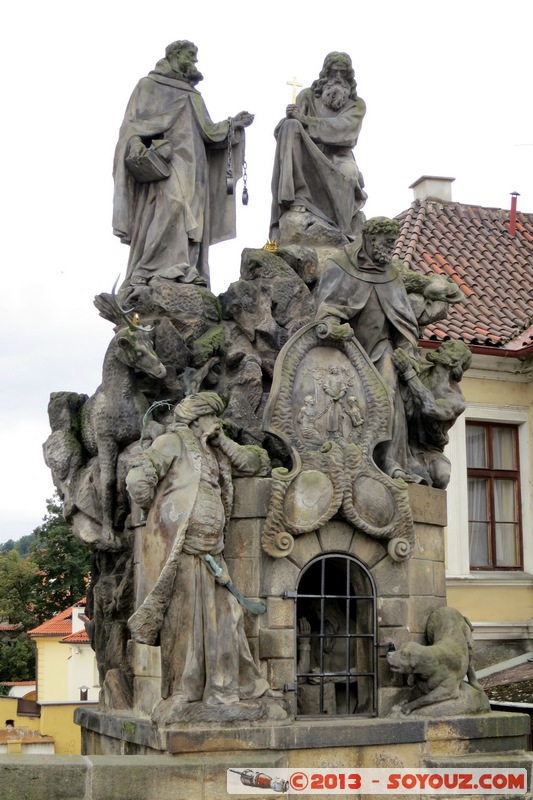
[[170, 223], [373, 299], [315, 167], [205, 655]]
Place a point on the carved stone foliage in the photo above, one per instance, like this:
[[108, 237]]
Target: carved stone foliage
[[330, 407]]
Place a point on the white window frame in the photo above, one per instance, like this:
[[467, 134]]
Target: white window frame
[[457, 541]]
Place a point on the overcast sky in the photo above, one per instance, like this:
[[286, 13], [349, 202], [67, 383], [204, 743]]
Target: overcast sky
[[447, 88]]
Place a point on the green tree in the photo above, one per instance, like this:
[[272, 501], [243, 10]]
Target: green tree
[[22, 545], [17, 659], [17, 651], [17, 579], [62, 564]]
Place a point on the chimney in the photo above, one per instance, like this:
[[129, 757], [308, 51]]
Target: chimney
[[433, 187], [512, 220]]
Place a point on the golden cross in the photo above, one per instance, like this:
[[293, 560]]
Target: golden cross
[[294, 85]]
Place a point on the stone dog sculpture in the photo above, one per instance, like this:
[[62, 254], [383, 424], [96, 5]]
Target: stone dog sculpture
[[436, 671]]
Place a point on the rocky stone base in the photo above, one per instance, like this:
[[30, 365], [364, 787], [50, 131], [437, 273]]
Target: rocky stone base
[[192, 764]]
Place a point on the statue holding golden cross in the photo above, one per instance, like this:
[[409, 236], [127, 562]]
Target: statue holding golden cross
[[294, 85]]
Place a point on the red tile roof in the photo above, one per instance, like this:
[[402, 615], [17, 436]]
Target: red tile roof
[[19, 683], [80, 637], [473, 246], [59, 625]]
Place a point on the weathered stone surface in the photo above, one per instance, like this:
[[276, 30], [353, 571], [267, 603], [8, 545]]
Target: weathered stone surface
[[392, 611], [306, 547], [281, 671], [427, 504], [395, 635], [329, 404], [276, 643], [252, 497], [280, 613], [146, 695], [35, 777], [429, 541], [203, 776], [390, 696], [392, 578], [149, 778], [251, 624], [336, 536], [439, 579], [303, 260], [394, 756], [420, 607], [145, 660], [253, 642], [243, 539], [421, 577], [245, 575], [367, 550], [277, 576], [479, 732]]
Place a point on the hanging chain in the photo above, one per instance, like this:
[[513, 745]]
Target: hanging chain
[[244, 172], [229, 166], [230, 182]]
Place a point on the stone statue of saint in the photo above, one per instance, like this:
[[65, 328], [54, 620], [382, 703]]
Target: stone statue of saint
[[184, 480], [170, 173], [314, 166], [362, 286]]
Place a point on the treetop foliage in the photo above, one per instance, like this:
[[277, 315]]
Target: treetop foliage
[[41, 574]]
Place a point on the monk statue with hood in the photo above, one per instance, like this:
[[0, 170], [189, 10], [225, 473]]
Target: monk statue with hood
[[172, 198], [363, 286]]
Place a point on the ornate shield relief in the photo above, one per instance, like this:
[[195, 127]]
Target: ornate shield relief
[[330, 407]]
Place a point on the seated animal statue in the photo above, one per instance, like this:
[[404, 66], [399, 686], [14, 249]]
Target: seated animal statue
[[436, 671]]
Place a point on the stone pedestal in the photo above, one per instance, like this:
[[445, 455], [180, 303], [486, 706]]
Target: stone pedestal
[[198, 754], [406, 591]]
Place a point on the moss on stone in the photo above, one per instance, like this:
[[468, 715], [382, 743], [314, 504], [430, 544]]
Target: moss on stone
[[208, 344]]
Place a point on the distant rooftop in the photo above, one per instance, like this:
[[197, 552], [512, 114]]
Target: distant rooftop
[[80, 637], [472, 245], [60, 624]]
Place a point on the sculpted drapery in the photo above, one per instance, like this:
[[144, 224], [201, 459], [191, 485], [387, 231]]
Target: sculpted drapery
[[314, 165], [170, 223], [204, 652]]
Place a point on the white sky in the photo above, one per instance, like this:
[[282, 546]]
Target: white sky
[[447, 87]]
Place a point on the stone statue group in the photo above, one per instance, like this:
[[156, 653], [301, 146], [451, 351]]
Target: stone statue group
[[156, 449]]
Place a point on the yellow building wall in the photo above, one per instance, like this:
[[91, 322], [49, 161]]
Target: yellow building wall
[[8, 710], [506, 603], [52, 670], [499, 601], [498, 393], [57, 720]]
